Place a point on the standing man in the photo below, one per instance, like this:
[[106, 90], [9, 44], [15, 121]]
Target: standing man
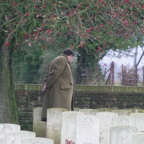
[[58, 85]]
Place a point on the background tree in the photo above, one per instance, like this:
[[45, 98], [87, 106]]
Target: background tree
[[26, 63], [94, 25]]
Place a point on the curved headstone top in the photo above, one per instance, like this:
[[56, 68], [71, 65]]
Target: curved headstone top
[[38, 140], [8, 127]]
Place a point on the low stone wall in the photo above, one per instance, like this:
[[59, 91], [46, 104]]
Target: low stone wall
[[30, 96]]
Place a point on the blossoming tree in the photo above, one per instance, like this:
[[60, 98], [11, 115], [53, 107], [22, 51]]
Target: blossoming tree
[[96, 26]]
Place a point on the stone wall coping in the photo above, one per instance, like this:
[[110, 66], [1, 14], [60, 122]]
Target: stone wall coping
[[79, 88]]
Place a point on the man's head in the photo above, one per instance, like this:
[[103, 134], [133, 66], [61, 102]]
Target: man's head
[[69, 53]]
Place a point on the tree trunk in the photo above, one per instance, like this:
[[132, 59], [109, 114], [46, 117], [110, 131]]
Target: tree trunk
[[87, 66], [8, 105]]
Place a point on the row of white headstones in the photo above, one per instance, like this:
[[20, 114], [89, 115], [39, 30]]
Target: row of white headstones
[[90, 126], [12, 134], [84, 126]]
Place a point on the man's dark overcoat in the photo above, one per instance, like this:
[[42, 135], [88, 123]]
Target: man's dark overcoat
[[59, 83]]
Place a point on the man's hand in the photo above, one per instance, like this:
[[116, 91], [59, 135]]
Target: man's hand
[[44, 87]]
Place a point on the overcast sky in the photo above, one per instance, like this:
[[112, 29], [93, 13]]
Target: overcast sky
[[106, 61], [124, 60]]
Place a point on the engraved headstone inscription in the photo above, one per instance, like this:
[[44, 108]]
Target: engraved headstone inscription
[[54, 122], [138, 138], [139, 120], [87, 129], [122, 134], [69, 126], [123, 121], [105, 124]]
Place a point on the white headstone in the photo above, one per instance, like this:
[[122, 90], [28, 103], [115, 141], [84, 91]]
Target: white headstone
[[69, 126], [105, 119], [76, 108], [105, 124], [123, 121], [17, 137], [87, 129], [54, 122], [7, 127], [104, 137], [39, 127], [139, 121], [38, 140], [2, 141], [123, 112], [138, 138], [104, 109], [122, 134], [137, 110], [88, 111]]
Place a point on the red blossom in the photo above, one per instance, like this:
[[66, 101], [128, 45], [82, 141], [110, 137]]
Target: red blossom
[[44, 47], [91, 28], [79, 6], [26, 35], [48, 31], [27, 14], [125, 23], [72, 11], [69, 142], [69, 32], [51, 42], [35, 32], [68, 15], [87, 36], [104, 64], [98, 49], [135, 22], [93, 17], [88, 30], [7, 44], [126, 1]]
